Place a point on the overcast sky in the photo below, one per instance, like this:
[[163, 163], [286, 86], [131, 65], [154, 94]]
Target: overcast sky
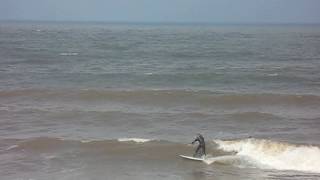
[[212, 11]]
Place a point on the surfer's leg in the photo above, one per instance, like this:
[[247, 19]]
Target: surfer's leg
[[204, 150], [201, 151], [196, 154]]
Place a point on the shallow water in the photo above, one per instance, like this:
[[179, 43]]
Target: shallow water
[[117, 101]]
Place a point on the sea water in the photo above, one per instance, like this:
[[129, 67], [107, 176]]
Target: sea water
[[122, 101]]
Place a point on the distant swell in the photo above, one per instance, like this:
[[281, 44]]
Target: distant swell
[[48, 143], [167, 97], [275, 155]]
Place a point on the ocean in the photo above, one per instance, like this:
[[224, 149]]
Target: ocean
[[122, 101]]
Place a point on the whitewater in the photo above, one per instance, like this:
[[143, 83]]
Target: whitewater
[[274, 155]]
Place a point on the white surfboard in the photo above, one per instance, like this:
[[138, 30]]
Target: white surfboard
[[192, 158]]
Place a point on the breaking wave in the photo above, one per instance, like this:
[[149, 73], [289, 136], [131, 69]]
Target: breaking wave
[[274, 155], [259, 153]]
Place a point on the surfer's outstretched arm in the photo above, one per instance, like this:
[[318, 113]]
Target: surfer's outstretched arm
[[195, 141]]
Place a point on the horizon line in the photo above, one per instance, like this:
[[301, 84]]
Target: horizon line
[[160, 22]]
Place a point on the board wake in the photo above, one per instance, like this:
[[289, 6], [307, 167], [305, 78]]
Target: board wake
[[192, 158]]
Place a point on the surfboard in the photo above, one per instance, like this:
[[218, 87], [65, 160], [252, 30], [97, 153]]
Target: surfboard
[[191, 158]]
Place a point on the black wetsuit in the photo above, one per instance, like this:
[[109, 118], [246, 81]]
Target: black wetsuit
[[201, 149]]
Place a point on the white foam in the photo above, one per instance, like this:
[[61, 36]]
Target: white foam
[[11, 147], [222, 159], [273, 74], [49, 157], [137, 140], [87, 140], [275, 155], [69, 54]]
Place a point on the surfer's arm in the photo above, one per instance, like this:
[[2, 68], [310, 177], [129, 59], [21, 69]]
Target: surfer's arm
[[195, 141]]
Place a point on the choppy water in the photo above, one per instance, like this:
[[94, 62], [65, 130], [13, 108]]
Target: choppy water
[[122, 101]]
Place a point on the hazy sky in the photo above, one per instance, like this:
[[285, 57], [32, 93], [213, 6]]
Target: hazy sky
[[216, 11]]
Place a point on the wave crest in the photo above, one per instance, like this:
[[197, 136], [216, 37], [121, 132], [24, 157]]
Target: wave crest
[[275, 155], [164, 97], [137, 140]]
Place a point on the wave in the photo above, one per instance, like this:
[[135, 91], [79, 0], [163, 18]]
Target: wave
[[52, 143], [273, 74], [274, 155], [69, 54], [252, 115], [168, 97], [137, 140], [259, 153]]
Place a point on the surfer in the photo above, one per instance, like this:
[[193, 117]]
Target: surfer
[[201, 149]]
